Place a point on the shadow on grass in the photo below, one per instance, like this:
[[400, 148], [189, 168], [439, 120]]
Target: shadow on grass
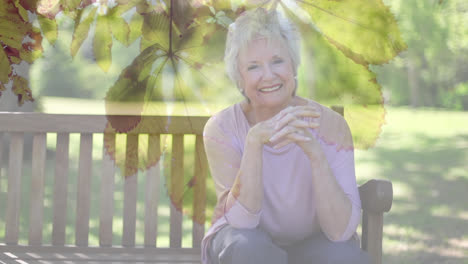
[[428, 222]]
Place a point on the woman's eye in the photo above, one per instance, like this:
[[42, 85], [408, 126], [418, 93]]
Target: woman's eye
[[277, 61], [251, 67]]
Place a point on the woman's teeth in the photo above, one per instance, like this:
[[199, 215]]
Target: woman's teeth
[[274, 88]]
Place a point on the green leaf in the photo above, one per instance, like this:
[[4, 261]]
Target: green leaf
[[121, 8], [131, 84], [194, 49], [120, 30], [21, 90], [5, 68], [339, 80], [22, 12], [70, 5], [81, 30], [135, 27], [155, 28], [12, 29], [366, 31], [30, 55], [49, 28], [102, 43]]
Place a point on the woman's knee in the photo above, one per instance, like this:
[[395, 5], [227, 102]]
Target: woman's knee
[[323, 251], [248, 246]]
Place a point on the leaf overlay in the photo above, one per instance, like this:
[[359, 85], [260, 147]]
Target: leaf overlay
[[81, 30], [49, 28], [21, 90], [102, 43]]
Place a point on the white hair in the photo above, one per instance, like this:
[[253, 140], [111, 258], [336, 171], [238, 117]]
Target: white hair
[[257, 23]]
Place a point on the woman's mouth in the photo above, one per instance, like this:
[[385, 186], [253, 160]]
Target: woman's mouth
[[271, 88]]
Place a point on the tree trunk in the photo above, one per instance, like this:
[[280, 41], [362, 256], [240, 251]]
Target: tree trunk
[[413, 83]]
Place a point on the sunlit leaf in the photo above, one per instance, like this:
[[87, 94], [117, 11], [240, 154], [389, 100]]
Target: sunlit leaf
[[49, 28], [195, 52], [30, 55], [102, 43], [135, 27], [358, 93], [14, 59], [156, 28], [120, 30], [120, 9], [21, 90], [32, 49], [81, 30], [70, 5], [12, 28], [173, 51], [365, 122], [366, 31], [132, 87], [5, 68]]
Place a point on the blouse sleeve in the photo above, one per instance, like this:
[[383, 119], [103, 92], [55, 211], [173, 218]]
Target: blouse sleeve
[[224, 158], [340, 155], [343, 169]]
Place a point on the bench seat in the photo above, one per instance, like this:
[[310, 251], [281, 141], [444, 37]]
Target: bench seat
[[71, 254]]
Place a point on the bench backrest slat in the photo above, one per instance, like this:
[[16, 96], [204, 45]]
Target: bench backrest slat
[[176, 190], [60, 189], [151, 191], [199, 199], [37, 189], [83, 189], [14, 188], [130, 191], [106, 211]]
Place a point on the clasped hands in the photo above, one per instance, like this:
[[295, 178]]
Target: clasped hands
[[289, 126]]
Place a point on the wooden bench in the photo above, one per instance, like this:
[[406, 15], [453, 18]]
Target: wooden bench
[[376, 195]]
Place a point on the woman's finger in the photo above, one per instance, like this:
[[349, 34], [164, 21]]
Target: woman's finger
[[290, 116], [284, 131], [308, 123], [302, 110], [291, 138], [293, 121]]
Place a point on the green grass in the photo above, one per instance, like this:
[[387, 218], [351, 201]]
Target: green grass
[[59, 105], [423, 152]]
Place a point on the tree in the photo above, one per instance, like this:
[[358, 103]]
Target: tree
[[434, 65]]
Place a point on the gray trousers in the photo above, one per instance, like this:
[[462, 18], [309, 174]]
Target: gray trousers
[[244, 246]]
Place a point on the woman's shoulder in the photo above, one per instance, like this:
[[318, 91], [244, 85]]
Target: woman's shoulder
[[225, 119]]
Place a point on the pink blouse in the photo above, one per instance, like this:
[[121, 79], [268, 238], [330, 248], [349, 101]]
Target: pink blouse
[[288, 211]]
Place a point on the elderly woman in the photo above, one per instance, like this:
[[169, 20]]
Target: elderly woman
[[283, 166]]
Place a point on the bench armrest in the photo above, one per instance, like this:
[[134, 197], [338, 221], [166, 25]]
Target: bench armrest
[[376, 196]]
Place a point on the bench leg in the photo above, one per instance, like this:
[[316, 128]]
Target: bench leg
[[372, 228]]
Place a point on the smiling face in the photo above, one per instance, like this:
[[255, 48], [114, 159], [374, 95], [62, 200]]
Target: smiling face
[[267, 74]]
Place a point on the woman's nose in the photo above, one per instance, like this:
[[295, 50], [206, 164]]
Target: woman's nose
[[268, 72]]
